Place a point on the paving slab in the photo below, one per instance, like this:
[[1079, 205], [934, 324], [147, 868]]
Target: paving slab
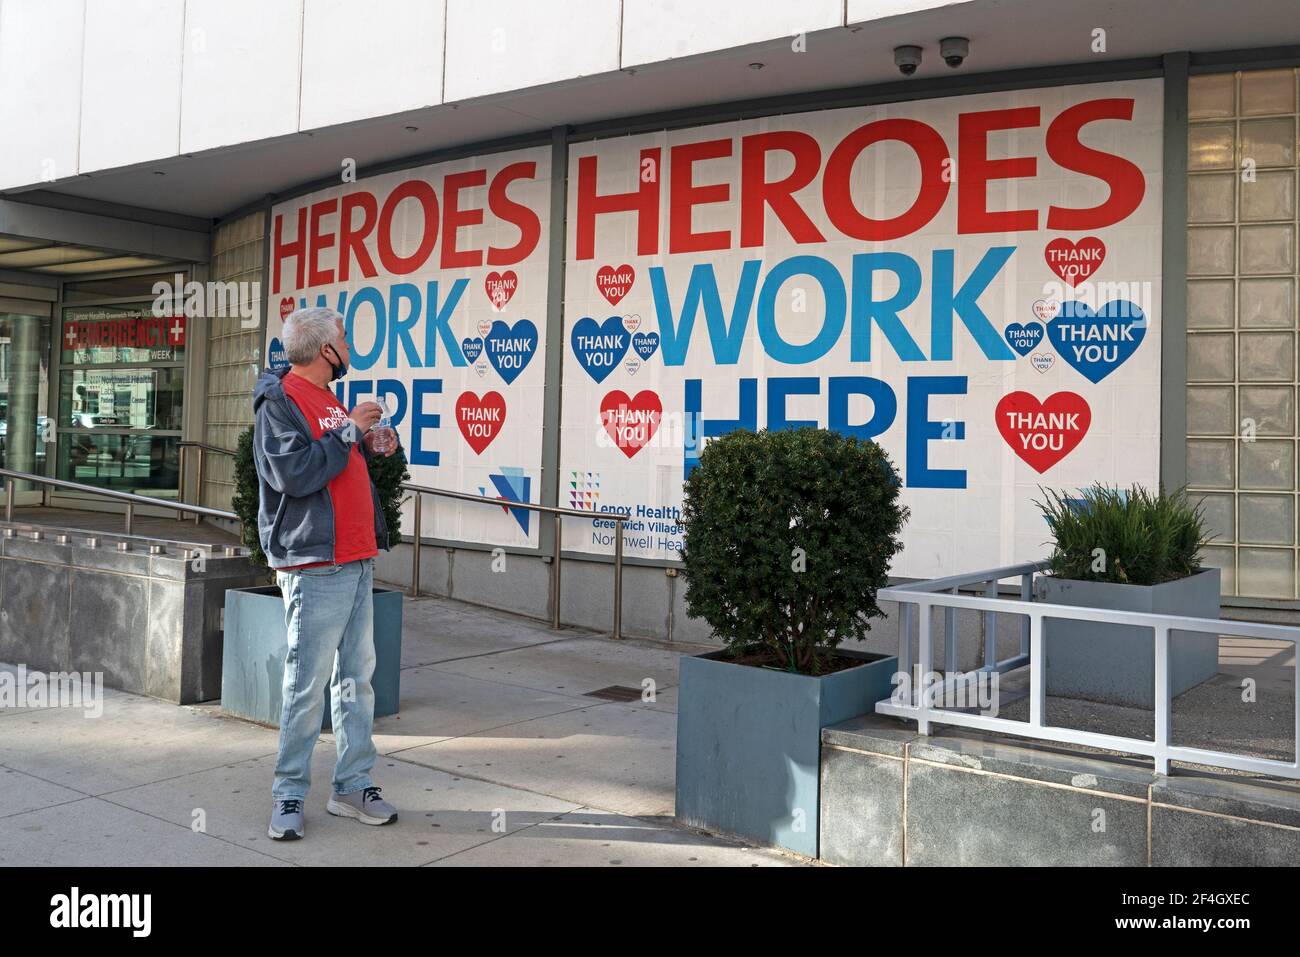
[[611, 756], [576, 666], [590, 838], [21, 792], [495, 738], [438, 813], [136, 740], [665, 700], [94, 832], [438, 629], [438, 705]]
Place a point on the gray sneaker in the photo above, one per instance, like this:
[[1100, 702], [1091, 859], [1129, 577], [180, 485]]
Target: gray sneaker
[[286, 820], [365, 805]]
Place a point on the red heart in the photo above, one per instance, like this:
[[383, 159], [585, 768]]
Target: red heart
[[480, 419], [286, 307], [500, 286], [1043, 433], [615, 282], [631, 423], [1075, 262]]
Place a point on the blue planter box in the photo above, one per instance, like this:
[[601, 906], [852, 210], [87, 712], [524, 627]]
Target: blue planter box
[[749, 743], [255, 645]]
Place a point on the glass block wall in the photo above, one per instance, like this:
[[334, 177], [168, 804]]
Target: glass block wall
[[234, 352], [1241, 318]]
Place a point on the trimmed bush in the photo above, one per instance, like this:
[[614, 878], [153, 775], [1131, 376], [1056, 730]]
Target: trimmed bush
[[788, 536], [388, 474], [1136, 537], [244, 502]]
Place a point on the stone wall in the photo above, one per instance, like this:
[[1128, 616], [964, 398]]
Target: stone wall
[[892, 797], [151, 623]]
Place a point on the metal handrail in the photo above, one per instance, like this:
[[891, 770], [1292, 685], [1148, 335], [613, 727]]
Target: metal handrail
[[419, 491], [202, 447], [953, 584], [914, 697], [62, 534], [130, 498], [560, 514]]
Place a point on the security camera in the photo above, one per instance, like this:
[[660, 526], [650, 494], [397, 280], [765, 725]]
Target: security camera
[[954, 50], [907, 59]]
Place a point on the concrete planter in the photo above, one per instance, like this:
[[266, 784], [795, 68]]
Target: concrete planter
[[749, 743], [252, 667], [1116, 663]]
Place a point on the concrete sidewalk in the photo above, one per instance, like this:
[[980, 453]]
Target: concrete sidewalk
[[498, 757]]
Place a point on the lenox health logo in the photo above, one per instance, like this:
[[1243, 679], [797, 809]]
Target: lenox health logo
[[512, 485], [584, 490]]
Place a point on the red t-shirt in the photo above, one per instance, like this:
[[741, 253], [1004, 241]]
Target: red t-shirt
[[354, 510]]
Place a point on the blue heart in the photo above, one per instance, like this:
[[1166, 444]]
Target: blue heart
[[599, 347], [1097, 343], [1024, 338], [645, 344], [510, 349], [277, 357], [471, 349]]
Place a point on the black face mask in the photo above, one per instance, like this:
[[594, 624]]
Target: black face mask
[[339, 368]]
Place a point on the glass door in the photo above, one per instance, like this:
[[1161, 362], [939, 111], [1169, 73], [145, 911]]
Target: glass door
[[121, 394]]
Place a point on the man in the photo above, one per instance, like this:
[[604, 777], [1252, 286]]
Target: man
[[321, 525]]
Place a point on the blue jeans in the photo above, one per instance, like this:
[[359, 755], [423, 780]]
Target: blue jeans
[[328, 613]]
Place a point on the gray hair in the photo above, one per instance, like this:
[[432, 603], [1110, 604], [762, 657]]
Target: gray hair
[[306, 330]]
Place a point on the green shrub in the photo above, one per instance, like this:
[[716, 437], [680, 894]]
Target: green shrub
[[1133, 538], [788, 536], [388, 474], [244, 502]]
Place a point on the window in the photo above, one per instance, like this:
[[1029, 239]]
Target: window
[[1241, 318], [121, 397]]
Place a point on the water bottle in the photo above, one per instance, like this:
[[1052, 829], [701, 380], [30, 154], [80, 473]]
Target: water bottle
[[383, 429]]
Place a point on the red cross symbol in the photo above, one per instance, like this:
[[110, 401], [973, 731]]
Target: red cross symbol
[[176, 331]]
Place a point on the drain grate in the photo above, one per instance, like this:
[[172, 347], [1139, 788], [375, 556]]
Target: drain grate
[[616, 693]]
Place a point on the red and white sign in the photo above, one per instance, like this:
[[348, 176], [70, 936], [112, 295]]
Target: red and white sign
[[130, 332], [631, 422], [500, 286], [480, 419], [1043, 433], [1075, 261], [953, 278], [615, 282], [440, 272]]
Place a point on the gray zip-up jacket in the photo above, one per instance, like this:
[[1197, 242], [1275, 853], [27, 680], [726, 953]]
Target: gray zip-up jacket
[[295, 515]]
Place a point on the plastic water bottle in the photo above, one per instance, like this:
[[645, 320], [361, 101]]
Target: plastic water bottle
[[383, 430]]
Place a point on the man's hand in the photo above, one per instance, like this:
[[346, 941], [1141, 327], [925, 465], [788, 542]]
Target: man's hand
[[378, 434], [365, 415]]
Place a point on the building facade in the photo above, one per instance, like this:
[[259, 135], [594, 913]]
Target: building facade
[[574, 241]]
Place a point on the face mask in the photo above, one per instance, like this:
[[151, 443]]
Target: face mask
[[338, 367]]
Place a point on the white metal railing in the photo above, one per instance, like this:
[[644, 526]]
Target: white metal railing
[[915, 697]]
